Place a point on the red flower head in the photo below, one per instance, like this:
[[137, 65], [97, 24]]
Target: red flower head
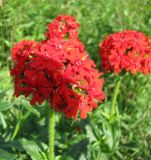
[[63, 27], [58, 70], [77, 86], [22, 50], [127, 50], [80, 90], [28, 80]]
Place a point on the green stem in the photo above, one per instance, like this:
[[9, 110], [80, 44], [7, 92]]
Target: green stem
[[115, 94], [18, 125], [17, 128], [51, 134]]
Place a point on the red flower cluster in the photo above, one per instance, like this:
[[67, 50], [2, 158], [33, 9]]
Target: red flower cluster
[[127, 50], [63, 27], [59, 70]]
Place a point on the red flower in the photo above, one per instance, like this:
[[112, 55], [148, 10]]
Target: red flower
[[63, 27], [80, 91], [58, 70], [22, 50], [127, 50], [28, 80]]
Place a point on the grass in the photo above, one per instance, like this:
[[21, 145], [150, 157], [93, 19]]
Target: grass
[[23, 129]]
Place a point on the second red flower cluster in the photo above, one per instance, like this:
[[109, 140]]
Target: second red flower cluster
[[128, 50]]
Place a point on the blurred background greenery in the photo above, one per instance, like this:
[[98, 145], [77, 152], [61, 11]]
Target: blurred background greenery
[[23, 128]]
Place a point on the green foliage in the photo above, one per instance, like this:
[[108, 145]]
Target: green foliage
[[23, 128]]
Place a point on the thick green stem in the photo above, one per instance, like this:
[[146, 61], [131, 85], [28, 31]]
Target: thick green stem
[[115, 94], [51, 129]]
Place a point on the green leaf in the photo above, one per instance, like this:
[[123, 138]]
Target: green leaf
[[63, 158], [2, 121], [110, 138], [4, 106], [78, 149], [5, 155], [35, 151], [30, 108]]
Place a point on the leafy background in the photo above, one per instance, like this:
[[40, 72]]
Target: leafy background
[[23, 128]]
